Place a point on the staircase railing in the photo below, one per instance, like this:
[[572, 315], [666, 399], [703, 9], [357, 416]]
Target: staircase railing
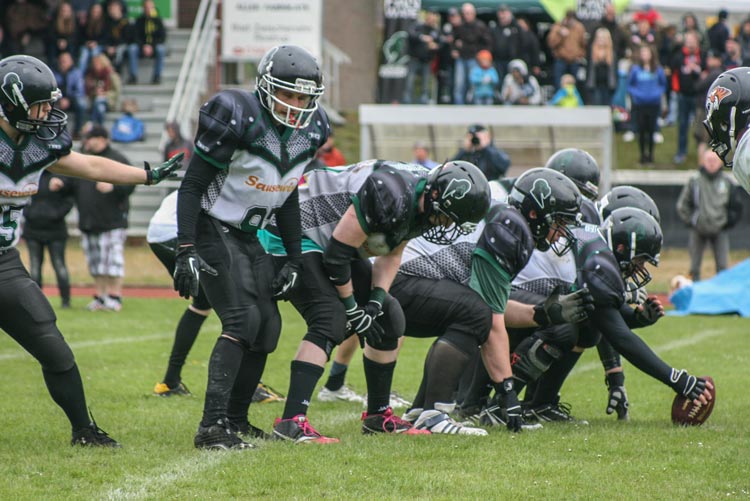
[[192, 81], [333, 58]]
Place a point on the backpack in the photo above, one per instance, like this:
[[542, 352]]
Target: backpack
[[128, 129]]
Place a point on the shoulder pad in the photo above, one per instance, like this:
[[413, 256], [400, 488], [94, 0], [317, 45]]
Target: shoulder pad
[[386, 198], [507, 238], [601, 275], [60, 146], [222, 121]]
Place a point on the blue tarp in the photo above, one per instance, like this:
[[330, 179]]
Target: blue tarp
[[727, 292]]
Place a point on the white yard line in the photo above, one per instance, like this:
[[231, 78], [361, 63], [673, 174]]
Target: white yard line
[[80, 345], [678, 343]]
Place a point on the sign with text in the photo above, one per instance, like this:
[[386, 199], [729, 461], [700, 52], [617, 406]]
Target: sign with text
[[250, 27]]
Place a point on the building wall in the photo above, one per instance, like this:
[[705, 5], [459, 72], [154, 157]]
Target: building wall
[[351, 26]]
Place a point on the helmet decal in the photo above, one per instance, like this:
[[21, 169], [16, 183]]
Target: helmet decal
[[540, 191], [714, 99], [12, 88], [457, 188]]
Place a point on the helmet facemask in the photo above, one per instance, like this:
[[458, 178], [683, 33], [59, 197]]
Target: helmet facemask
[[294, 117], [442, 228], [560, 223]]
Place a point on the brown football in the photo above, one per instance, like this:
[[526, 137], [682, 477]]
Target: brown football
[[686, 413]]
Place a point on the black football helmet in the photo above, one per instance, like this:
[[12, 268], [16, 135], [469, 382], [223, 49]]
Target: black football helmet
[[24, 82], [459, 191], [580, 167], [727, 110], [290, 68], [547, 199], [635, 238], [627, 196]]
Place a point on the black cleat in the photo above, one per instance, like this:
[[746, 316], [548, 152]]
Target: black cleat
[[248, 430], [93, 436], [557, 412], [219, 436]]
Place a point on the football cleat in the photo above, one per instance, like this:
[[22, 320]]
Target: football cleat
[[299, 430], [495, 415], [412, 415], [248, 430], [96, 305], [93, 436], [388, 422], [163, 390], [557, 412], [343, 394], [438, 420], [468, 415], [219, 436], [264, 394]]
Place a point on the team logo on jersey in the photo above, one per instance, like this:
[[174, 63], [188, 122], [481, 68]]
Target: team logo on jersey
[[540, 192], [12, 88], [457, 189], [288, 187], [714, 99]]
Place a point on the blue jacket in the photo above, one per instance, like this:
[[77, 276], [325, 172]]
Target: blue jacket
[[484, 81], [646, 87], [71, 85]]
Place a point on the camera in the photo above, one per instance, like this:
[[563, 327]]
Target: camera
[[474, 139], [473, 131]]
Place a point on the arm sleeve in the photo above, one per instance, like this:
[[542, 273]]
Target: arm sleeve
[[290, 227], [490, 281], [198, 176], [628, 314], [612, 326]]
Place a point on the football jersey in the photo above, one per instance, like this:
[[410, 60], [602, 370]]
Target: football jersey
[[385, 196], [21, 167], [163, 224], [258, 165], [741, 162], [503, 239]]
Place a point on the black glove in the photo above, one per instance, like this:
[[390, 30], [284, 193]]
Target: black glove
[[649, 312], [618, 398], [635, 294], [564, 308], [187, 267], [163, 171], [362, 321], [512, 405], [287, 279], [683, 383]]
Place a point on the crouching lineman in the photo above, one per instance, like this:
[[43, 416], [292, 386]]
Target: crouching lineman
[[372, 208], [459, 292]]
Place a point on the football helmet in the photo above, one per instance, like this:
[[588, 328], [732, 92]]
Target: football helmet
[[627, 196], [293, 69], [459, 191], [635, 238], [727, 110], [580, 167], [547, 199], [24, 82]]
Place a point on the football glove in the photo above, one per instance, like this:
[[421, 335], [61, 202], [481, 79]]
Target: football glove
[[635, 294], [561, 308], [683, 383], [187, 268], [618, 397], [362, 321], [287, 279], [163, 171], [512, 405], [649, 312]]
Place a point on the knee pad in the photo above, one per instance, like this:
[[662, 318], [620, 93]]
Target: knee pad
[[242, 324], [53, 353], [588, 337], [533, 357], [324, 343]]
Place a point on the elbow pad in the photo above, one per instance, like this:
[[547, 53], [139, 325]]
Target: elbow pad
[[337, 261]]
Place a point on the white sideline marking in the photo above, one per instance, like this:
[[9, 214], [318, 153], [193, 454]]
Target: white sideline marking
[[679, 343], [142, 487], [89, 344]]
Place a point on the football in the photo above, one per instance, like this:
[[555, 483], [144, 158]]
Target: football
[[686, 413]]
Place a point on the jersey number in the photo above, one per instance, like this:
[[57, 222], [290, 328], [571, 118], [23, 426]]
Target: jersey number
[[257, 218], [10, 215]]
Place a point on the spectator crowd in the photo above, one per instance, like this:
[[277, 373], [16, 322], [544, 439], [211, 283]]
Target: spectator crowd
[[89, 44]]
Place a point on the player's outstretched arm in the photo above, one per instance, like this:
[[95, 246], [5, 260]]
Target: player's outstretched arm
[[97, 168]]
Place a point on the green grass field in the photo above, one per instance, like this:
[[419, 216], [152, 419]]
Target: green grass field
[[122, 355]]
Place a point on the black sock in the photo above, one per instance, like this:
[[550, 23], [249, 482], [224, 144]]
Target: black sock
[[247, 381], [336, 376], [379, 378], [184, 338], [302, 383], [223, 367], [444, 366], [66, 389], [550, 383]]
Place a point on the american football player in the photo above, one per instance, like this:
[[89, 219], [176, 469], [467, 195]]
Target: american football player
[[251, 149], [34, 139]]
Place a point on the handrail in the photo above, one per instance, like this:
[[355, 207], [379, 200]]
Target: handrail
[[198, 55]]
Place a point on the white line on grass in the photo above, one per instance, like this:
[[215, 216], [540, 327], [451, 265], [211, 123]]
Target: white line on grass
[[679, 343], [142, 487], [93, 343]]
